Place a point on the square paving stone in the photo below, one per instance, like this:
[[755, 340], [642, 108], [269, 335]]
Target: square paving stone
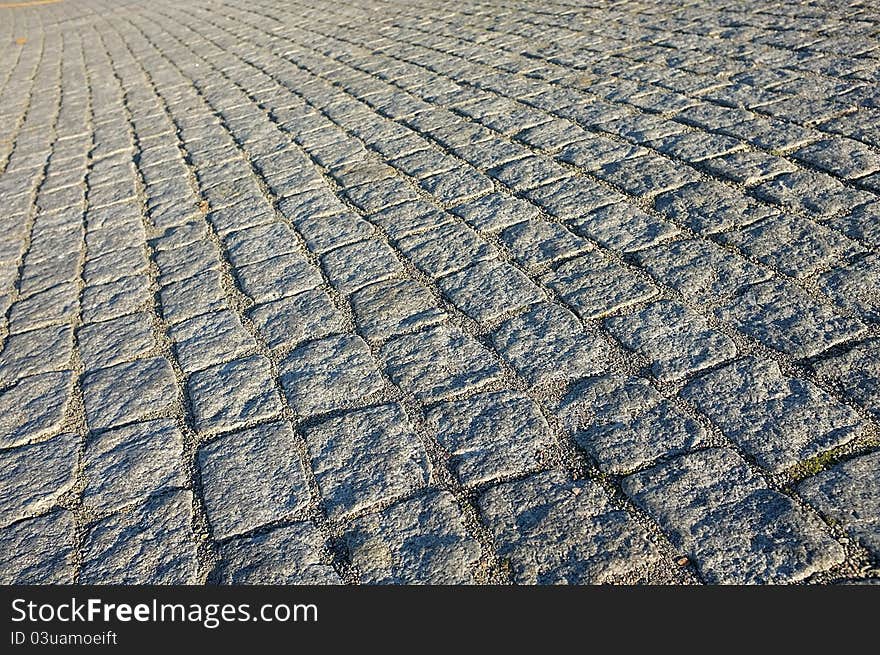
[[33, 477], [787, 319], [323, 233], [128, 392], [278, 277], [127, 464], [625, 424], [725, 519], [710, 207], [288, 321], [39, 550], [259, 243], [410, 218], [856, 287], [538, 242], [419, 541], [593, 285], [778, 420], [186, 261], [438, 363], [58, 304], [555, 531], [351, 267], [290, 555], [192, 296], [623, 227], [701, 270], [33, 407], [445, 249], [849, 495], [37, 351], [494, 212], [490, 436], [366, 457], [229, 395], [124, 296], [114, 265], [209, 339], [252, 477], [794, 245], [114, 341], [330, 373], [676, 340], [548, 343], [391, 307], [152, 543], [488, 290]]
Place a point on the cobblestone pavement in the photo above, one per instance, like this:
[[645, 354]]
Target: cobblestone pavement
[[405, 291]]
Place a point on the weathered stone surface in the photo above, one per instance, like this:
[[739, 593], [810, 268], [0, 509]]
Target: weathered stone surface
[[735, 529], [329, 374], [392, 307], [209, 339], [548, 343], [229, 395], [623, 227], [128, 392], [439, 362], [292, 554], [446, 249], [536, 242], [33, 407], [38, 351], [555, 531], [286, 322], [33, 477], [278, 277], [785, 318], [489, 290], [127, 464], [365, 457], [420, 541], [351, 267], [625, 424], [494, 211], [117, 340], [676, 340], [848, 495], [152, 542], [855, 372], [594, 286], [39, 550], [778, 420], [192, 296], [491, 436], [252, 477]]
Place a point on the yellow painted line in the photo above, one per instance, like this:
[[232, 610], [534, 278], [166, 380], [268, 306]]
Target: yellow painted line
[[31, 3]]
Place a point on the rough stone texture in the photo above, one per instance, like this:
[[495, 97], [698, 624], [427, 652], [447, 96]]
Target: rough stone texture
[[329, 374], [251, 478], [229, 395], [419, 541], [532, 227], [491, 436], [555, 531], [38, 550], [849, 495], [33, 477], [675, 339], [292, 554], [33, 407], [128, 392], [777, 419], [153, 541], [625, 424], [438, 363], [548, 343], [127, 464], [735, 529], [365, 457]]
